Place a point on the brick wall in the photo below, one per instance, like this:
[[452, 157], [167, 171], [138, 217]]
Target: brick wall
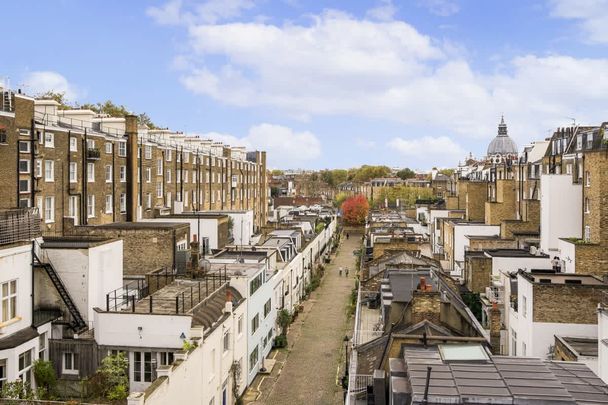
[[483, 244], [477, 273], [563, 303], [476, 196], [145, 249], [426, 305], [379, 248], [591, 259], [507, 228], [504, 208]]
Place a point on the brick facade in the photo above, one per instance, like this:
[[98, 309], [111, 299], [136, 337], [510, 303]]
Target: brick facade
[[477, 273], [96, 176], [564, 303]]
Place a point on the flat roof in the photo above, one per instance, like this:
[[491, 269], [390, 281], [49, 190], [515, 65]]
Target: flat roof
[[141, 225], [194, 215], [514, 253], [74, 242], [237, 269], [483, 237], [562, 278]]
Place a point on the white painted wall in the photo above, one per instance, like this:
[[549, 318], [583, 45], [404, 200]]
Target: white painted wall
[[157, 331], [242, 230], [539, 337], [461, 242], [567, 255], [433, 231], [89, 274], [512, 264], [560, 210], [603, 345], [208, 227], [16, 264]]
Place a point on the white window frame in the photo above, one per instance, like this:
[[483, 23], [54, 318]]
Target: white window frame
[[122, 148], [148, 152], [73, 144], [49, 140], [49, 209], [25, 373], [109, 174], [148, 174], [109, 204], [49, 171], [73, 172], [27, 163], [123, 202], [91, 172], [108, 148], [123, 174], [9, 300], [90, 206], [69, 362]]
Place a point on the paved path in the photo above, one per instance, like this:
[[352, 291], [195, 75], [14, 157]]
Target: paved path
[[310, 369]]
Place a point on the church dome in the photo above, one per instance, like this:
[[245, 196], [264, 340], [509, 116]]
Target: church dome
[[502, 144]]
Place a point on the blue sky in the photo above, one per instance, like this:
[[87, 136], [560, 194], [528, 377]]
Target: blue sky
[[415, 83]]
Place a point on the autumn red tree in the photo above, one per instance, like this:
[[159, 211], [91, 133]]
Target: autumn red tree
[[355, 209]]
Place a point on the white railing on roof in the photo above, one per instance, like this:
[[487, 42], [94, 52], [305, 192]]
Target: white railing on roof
[[494, 294]]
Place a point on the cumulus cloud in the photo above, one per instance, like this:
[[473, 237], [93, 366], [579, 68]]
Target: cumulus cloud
[[591, 14], [208, 12], [443, 8], [438, 150], [42, 81], [385, 11], [285, 147], [391, 71]]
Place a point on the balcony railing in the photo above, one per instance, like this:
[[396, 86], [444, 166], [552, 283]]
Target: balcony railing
[[93, 154], [495, 295], [19, 225]]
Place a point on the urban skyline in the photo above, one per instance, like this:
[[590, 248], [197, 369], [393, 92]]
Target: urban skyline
[[429, 75]]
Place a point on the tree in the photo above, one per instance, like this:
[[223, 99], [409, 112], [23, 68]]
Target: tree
[[406, 173], [46, 379], [111, 379], [355, 210], [447, 172], [339, 199], [277, 172]]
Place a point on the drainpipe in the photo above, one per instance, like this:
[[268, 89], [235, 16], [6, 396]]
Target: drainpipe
[[32, 165], [131, 132]]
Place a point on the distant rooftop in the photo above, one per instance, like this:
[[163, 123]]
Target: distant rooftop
[[543, 277], [514, 253]]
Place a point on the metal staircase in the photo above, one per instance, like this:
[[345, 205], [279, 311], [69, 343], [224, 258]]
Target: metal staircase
[[77, 324]]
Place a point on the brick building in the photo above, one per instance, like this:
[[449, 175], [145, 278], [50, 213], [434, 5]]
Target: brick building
[[97, 169]]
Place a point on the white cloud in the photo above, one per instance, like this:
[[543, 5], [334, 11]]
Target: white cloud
[[169, 14], [43, 81], [437, 151], [385, 11], [592, 15], [284, 146], [388, 70], [443, 8], [209, 12]]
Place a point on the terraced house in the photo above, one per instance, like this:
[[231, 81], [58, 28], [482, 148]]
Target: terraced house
[[83, 168]]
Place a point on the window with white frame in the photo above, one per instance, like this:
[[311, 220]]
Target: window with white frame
[[3, 377], [142, 366], [226, 341], [122, 148], [24, 185], [587, 179], [255, 323], [169, 200], [166, 358], [159, 167], [178, 157], [589, 141], [587, 205], [73, 172], [253, 358], [109, 205], [73, 144], [123, 202], [72, 206], [49, 140], [49, 209], [109, 148], [123, 174], [185, 175], [148, 174], [587, 234], [159, 189], [38, 170], [148, 200], [90, 206], [148, 152], [24, 166], [168, 179], [186, 157], [108, 173], [9, 300], [24, 147], [25, 366], [49, 170], [90, 172], [42, 346], [168, 155], [70, 363]]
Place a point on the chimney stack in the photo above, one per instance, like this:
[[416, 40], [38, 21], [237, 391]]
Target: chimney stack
[[131, 132], [495, 326]]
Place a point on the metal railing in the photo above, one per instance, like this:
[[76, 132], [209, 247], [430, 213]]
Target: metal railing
[[19, 225]]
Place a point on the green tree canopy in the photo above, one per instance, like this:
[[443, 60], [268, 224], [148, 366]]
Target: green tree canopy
[[406, 173]]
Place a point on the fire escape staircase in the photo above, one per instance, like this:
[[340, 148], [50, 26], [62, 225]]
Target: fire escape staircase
[[77, 324]]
